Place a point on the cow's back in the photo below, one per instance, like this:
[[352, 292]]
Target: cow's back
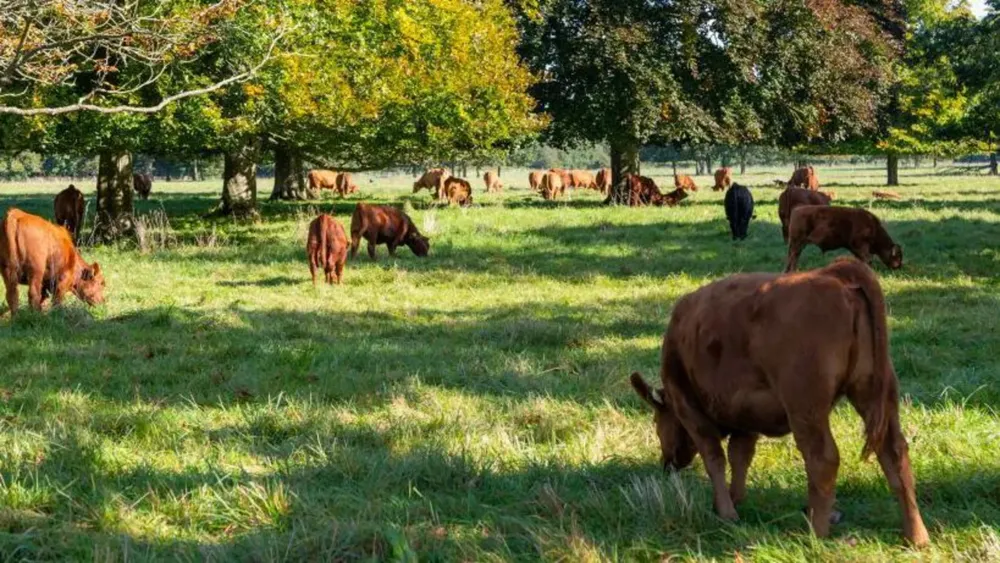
[[29, 241]]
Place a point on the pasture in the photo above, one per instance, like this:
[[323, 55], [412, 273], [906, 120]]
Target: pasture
[[473, 405]]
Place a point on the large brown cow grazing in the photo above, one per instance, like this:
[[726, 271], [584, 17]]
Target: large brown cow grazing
[[604, 180], [644, 191], [492, 181], [142, 184], [322, 180], [535, 179], [565, 176], [345, 184], [742, 358], [830, 228], [723, 179], [433, 181], [794, 197], [458, 190], [805, 177], [41, 255], [381, 224], [684, 182], [70, 207], [582, 179], [326, 248], [552, 185]]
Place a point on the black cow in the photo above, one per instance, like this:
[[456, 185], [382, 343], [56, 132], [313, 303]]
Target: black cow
[[739, 210]]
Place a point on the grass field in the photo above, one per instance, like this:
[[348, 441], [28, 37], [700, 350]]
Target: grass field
[[473, 405]]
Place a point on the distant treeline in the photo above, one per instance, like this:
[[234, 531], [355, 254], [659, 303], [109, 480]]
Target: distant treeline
[[24, 165]]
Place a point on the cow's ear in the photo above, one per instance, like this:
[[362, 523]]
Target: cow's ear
[[646, 392], [97, 269]]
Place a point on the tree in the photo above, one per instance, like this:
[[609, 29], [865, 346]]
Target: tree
[[981, 73], [692, 72]]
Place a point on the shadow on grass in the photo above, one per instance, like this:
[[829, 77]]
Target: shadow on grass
[[360, 495]]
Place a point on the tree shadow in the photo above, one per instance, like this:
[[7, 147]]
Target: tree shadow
[[364, 493], [277, 281]]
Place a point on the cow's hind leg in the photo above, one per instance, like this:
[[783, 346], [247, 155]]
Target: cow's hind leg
[[893, 456], [811, 429], [741, 450], [35, 292], [10, 281], [794, 251]]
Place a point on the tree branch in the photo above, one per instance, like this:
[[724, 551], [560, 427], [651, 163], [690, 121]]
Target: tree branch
[[148, 109]]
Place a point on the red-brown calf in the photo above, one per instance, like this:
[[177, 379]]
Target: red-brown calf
[[381, 224], [41, 255], [326, 247], [831, 228], [742, 358]]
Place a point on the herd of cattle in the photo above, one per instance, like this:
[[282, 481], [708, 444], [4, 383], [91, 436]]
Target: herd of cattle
[[740, 358]]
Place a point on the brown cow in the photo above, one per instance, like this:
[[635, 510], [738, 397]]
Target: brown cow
[[582, 179], [552, 185], [322, 180], [723, 179], [345, 184], [684, 182], [458, 190], [830, 228], [535, 179], [492, 180], [674, 197], [142, 184], [604, 180], [326, 247], [433, 181], [794, 197], [805, 177], [381, 224], [742, 358], [41, 255], [69, 210], [565, 176], [643, 191]]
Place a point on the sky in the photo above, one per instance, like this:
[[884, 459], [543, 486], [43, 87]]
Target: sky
[[978, 7]]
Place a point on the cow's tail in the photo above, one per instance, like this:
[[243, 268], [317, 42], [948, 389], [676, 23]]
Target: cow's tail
[[10, 236], [877, 416]]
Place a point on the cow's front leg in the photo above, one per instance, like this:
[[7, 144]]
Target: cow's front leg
[[741, 450]]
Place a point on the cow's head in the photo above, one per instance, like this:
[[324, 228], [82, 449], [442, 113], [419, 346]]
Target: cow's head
[[676, 445], [90, 285], [419, 244], [892, 256], [417, 187]]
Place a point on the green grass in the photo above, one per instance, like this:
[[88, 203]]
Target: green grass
[[473, 405]]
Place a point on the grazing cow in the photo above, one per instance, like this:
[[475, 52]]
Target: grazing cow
[[433, 180], [674, 197], [583, 180], [830, 228], [492, 180], [381, 224], [41, 255], [552, 185], [69, 210], [322, 180], [604, 180], [886, 194], [684, 182], [535, 179], [326, 248], [805, 177], [742, 357], [723, 179], [643, 191], [457, 190], [345, 184], [142, 184], [794, 197], [739, 210]]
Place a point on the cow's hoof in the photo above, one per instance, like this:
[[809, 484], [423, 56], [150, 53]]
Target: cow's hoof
[[835, 515]]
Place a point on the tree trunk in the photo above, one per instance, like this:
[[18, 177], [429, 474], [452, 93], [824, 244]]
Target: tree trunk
[[624, 161], [239, 182], [114, 196], [195, 172], [289, 179], [935, 161], [743, 162], [674, 164], [708, 165], [892, 167], [993, 164]]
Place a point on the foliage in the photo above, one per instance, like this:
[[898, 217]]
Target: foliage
[[695, 72]]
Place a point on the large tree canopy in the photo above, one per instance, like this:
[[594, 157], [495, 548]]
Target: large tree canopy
[[690, 71]]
